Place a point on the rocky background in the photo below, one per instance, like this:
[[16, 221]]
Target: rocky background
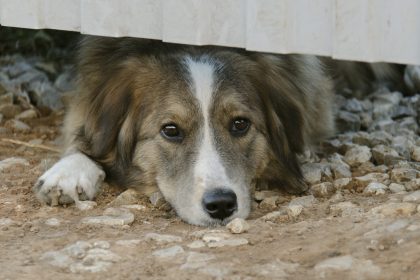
[[360, 219]]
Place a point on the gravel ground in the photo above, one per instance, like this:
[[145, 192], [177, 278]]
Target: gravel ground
[[360, 219]]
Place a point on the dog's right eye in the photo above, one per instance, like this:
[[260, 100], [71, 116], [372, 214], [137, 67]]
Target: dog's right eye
[[172, 133]]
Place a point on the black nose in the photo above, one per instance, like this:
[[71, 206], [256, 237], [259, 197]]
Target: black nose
[[220, 203]]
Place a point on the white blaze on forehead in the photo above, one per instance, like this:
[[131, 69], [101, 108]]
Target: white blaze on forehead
[[209, 170]]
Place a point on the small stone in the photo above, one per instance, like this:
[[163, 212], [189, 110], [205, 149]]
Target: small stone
[[357, 155], [305, 201], [385, 155], [347, 121], [276, 216], [137, 207], [197, 260], [360, 183], [331, 145], [409, 124], [325, 189], [353, 105], [96, 260], [18, 125], [312, 173], [196, 244], [362, 138], [356, 268], [112, 217], [157, 199], [129, 196], [401, 175], [403, 112], [162, 238], [385, 103], [396, 188], [85, 205], [9, 111], [393, 209], [53, 222], [413, 185], [275, 269], [294, 210], [343, 183], [128, 242], [28, 114], [261, 195], [415, 154], [403, 145], [234, 242], [387, 125], [412, 197], [101, 244], [5, 98], [4, 222], [340, 171], [168, 252], [345, 209], [337, 197], [380, 138], [269, 203], [11, 162], [57, 258], [65, 82], [375, 188], [237, 225], [366, 119], [215, 236]]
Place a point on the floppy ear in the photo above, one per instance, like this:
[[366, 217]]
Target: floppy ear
[[109, 133], [285, 125]]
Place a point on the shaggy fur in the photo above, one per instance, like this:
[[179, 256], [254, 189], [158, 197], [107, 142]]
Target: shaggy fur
[[130, 88]]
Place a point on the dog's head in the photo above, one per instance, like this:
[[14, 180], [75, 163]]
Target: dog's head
[[202, 124]]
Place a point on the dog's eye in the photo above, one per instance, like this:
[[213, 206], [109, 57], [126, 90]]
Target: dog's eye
[[172, 133], [239, 126]]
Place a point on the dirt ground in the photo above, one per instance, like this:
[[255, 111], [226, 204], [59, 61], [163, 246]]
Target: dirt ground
[[320, 243]]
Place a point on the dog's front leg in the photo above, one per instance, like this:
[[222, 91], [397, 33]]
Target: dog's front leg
[[74, 177]]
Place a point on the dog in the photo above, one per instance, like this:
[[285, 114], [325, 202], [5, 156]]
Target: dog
[[203, 124]]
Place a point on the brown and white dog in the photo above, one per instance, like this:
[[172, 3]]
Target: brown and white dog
[[203, 124]]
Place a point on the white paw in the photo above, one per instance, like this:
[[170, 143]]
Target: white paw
[[73, 178]]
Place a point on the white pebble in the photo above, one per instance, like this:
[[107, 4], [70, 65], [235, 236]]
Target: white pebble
[[237, 225]]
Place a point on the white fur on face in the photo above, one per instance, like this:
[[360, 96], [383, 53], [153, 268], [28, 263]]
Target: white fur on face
[[72, 175], [208, 171]]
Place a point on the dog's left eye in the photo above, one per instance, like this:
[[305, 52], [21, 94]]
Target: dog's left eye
[[239, 126], [172, 133]]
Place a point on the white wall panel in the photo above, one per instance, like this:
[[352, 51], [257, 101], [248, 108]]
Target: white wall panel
[[367, 30]]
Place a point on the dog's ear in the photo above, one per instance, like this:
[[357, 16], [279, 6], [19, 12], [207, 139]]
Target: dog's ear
[[285, 122], [109, 133]]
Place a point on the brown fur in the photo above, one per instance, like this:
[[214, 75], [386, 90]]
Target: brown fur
[[123, 85]]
